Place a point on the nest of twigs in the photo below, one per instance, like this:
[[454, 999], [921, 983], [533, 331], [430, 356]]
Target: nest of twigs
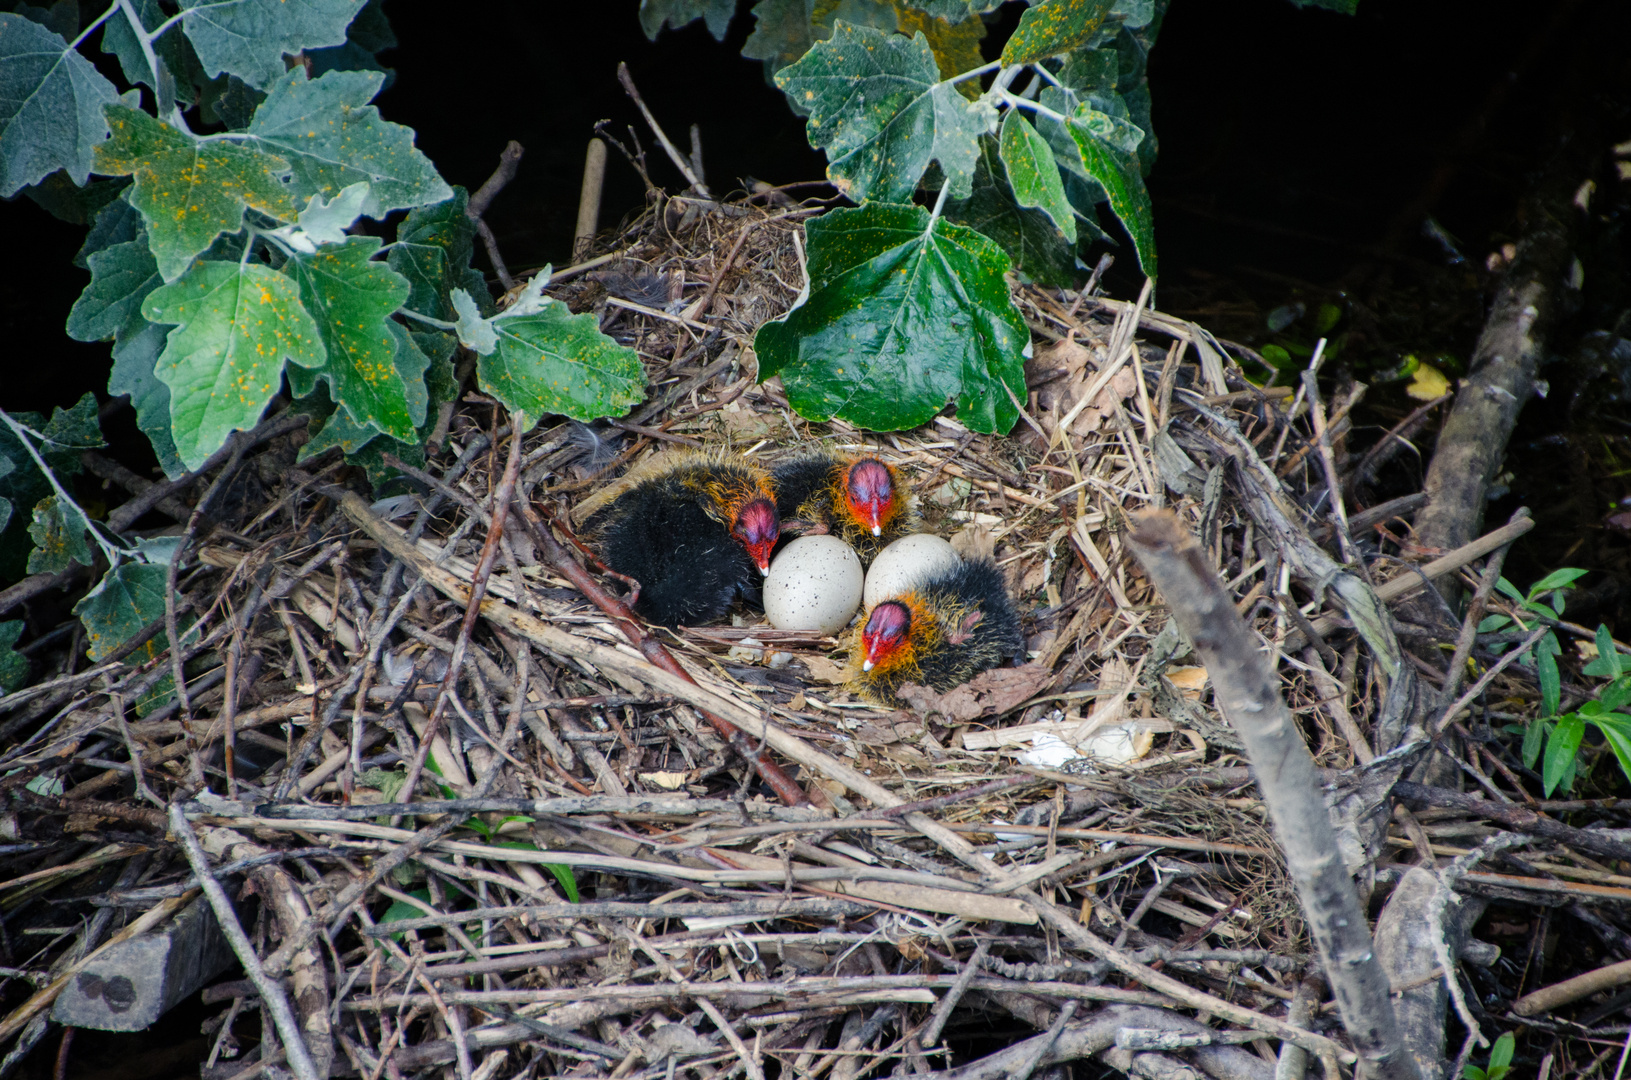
[[508, 843]]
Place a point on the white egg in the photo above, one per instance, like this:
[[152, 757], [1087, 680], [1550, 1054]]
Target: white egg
[[814, 584], [903, 564]]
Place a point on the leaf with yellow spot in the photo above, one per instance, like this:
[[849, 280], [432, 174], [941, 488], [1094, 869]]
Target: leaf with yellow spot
[[121, 606], [51, 101], [58, 530], [1429, 384], [239, 322], [332, 138], [13, 665], [189, 190], [1116, 169], [956, 45], [877, 106], [352, 299], [552, 361], [1053, 27]]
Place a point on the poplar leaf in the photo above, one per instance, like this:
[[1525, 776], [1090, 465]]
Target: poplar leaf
[[904, 313], [58, 531], [1052, 27], [123, 604], [878, 108], [249, 38], [189, 190], [552, 361], [1117, 172], [1033, 174], [351, 300], [13, 664], [239, 322], [51, 102], [1031, 239], [674, 14], [432, 250], [332, 138]]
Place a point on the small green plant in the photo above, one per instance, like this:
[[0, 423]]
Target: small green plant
[[1559, 736], [1500, 1061]]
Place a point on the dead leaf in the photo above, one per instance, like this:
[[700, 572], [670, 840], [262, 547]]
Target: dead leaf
[[974, 541], [990, 693], [826, 670], [903, 728]]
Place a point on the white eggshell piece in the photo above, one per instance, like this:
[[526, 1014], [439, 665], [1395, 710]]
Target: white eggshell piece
[[814, 584], [903, 564]]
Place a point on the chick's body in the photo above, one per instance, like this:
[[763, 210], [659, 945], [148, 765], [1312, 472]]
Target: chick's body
[[940, 634], [695, 535], [859, 500]]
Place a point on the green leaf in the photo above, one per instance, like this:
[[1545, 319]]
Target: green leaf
[[124, 602], [116, 223], [332, 138], [1053, 27], [1500, 1055], [177, 61], [1557, 579], [1468, 1071], [1491, 623], [1616, 693], [401, 909], [432, 250], [51, 101], [552, 361], [879, 109], [1616, 729], [121, 277], [1033, 174], [248, 38], [903, 312], [67, 434], [1550, 685], [58, 531], [369, 34], [1534, 737], [239, 322], [655, 14], [475, 331], [351, 299], [955, 44], [135, 358], [1036, 246], [1502, 585], [188, 190], [782, 34], [13, 665], [1117, 171], [1608, 663], [1560, 750], [569, 881]]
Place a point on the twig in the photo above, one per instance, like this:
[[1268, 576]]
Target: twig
[[943, 1010], [508, 162], [669, 148], [270, 990], [594, 182], [1475, 614], [1484, 680]]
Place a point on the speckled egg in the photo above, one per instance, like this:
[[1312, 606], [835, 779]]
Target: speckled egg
[[901, 565], [814, 584]]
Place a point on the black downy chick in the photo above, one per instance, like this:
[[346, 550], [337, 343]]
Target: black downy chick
[[860, 500], [940, 634], [696, 535]]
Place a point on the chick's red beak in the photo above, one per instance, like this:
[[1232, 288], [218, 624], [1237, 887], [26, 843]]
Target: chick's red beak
[[869, 491], [757, 529], [885, 629]]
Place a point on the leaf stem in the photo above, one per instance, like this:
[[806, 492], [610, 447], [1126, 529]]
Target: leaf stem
[[161, 106], [23, 431], [973, 73], [100, 19], [1040, 110], [940, 201], [426, 319]]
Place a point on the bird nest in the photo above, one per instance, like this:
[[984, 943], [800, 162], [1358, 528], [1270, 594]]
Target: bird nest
[[518, 841]]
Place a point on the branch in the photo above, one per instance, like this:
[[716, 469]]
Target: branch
[[669, 148], [1247, 695]]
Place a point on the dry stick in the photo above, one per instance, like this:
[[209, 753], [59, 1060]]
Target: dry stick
[[669, 148], [1475, 614], [1247, 696], [1322, 439], [1519, 818], [271, 991], [700, 307], [1398, 435], [942, 1011], [594, 182], [628, 624], [1484, 680], [478, 587], [508, 162]]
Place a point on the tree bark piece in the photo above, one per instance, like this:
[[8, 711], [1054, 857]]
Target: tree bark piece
[[1501, 378], [1248, 696]]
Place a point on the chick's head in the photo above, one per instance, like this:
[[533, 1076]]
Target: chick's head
[[871, 494], [757, 528], [886, 640]]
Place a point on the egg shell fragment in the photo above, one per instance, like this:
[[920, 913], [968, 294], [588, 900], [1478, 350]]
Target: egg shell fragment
[[814, 584], [902, 565]]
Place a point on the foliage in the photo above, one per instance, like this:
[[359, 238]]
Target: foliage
[[1561, 735], [228, 253], [890, 91], [1500, 1061]]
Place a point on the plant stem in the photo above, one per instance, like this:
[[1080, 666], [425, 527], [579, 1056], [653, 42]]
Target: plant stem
[[973, 73], [161, 106], [100, 19], [1041, 110], [940, 201], [426, 319], [22, 431]]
